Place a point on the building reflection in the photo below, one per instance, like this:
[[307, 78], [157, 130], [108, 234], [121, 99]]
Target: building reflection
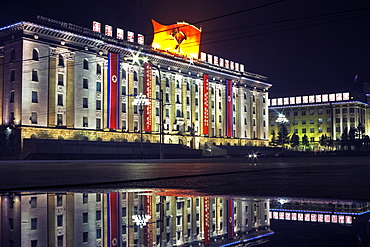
[[131, 218]]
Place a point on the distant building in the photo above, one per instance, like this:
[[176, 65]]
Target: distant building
[[62, 81], [330, 115]]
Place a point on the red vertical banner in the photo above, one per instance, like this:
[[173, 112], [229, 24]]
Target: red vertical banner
[[113, 91], [229, 108], [149, 227], [113, 219], [206, 217], [230, 218], [205, 105], [148, 84]]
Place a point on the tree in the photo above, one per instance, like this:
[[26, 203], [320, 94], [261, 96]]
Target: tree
[[294, 140], [282, 137], [360, 130], [273, 138], [324, 141], [305, 141]]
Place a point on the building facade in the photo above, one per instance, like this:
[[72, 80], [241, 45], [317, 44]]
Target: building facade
[[330, 115], [56, 83]]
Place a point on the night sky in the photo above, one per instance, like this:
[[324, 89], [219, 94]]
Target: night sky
[[302, 46]]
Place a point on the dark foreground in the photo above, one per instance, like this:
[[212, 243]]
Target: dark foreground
[[315, 177]]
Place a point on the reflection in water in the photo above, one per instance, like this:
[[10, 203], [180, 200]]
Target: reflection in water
[[166, 218], [131, 218]]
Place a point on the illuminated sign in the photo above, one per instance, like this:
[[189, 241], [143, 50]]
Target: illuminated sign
[[311, 217], [130, 36], [119, 33], [203, 56], [318, 98], [286, 101], [221, 62], [108, 30], [215, 60], [205, 104], [292, 100], [206, 218], [140, 39], [96, 26], [311, 98], [209, 58], [180, 38]]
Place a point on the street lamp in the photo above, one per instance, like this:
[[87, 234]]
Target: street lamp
[[141, 100], [282, 120]]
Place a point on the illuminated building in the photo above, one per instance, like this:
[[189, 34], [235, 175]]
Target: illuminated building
[[62, 81], [110, 219], [315, 116]]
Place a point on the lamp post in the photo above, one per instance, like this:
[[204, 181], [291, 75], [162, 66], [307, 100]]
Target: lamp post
[[282, 120], [141, 100]]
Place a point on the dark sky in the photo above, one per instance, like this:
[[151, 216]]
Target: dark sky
[[302, 46]]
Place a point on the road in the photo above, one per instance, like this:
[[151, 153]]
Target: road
[[314, 177]]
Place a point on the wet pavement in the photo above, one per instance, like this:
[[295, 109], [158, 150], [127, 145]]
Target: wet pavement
[[328, 177]]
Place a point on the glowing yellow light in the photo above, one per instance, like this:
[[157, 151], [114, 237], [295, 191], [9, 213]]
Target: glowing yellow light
[[180, 38]]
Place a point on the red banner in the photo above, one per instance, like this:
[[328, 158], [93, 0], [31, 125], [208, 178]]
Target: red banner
[[113, 220], [205, 105], [149, 227], [207, 236], [230, 217], [229, 108], [113, 91], [148, 83]]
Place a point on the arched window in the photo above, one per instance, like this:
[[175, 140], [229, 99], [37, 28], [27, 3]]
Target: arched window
[[12, 55], [60, 60], [35, 54], [86, 64], [98, 69]]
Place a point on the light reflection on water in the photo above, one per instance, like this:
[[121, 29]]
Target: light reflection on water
[[165, 217]]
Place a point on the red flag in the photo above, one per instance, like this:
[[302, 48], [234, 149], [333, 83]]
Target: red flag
[[229, 108], [113, 91]]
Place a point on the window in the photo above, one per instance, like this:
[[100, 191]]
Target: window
[[85, 122], [303, 121], [303, 113], [344, 110], [34, 97], [312, 112], [312, 121], [319, 120], [98, 233], [85, 83], [98, 69], [33, 117], [295, 122], [98, 197], [86, 64], [60, 99], [35, 55], [12, 75], [135, 77], [59, 119], [85, 103], [85, 198], [351, 110], [33, 223], [33, 202], [352, 119], [60, 241], [328, 111], [328, 129], [59, 200], [295, 113], [337, 120], [60, 79], [123, 89], [328, 120], [98, 123], [344, 120], [11, 100], [98, 215], [337, 129], [124, 107], [312, 130], [296, 131], [12, 55], [60, 60], [98, 105], [85, 237], [320, 130], [33, 243], [34, 75], [312, 139], [59, 220], [337, 111], [303, 130], [85, 217], [98, 86]]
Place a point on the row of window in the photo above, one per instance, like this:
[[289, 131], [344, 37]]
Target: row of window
[[319, 112]]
